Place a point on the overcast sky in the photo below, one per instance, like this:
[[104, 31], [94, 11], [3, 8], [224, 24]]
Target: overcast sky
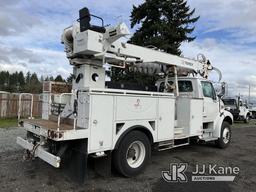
[[30, 35]]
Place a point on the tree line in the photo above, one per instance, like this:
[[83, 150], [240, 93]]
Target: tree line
[[30, 82]]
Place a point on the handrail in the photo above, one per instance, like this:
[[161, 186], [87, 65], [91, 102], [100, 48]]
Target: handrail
[[31, 107], [125, 92], [59, 116]]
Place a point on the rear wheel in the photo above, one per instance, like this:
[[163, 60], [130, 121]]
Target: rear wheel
[[225, 136], [132, 154]]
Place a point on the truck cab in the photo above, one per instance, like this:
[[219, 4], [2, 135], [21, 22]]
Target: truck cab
[[200, 88]]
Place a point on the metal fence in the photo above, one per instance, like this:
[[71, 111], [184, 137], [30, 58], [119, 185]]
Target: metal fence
[[9, 105]]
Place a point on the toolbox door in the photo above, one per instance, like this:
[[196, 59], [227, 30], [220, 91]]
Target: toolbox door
[[101, 123], [166, 119]]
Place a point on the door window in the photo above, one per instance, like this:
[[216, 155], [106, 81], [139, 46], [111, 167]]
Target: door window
[[185, 86], [208, 90]]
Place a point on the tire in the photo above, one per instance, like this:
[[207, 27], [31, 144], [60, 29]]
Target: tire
[[225, 136], [124, 157], [247, 119]]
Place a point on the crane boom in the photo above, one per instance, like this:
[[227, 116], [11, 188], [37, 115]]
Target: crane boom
[[91, 45]]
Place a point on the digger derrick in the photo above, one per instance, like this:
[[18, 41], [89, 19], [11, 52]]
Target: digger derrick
[[119, 125]]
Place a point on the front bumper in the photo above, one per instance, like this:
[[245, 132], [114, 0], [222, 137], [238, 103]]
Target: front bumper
[[40, 152]]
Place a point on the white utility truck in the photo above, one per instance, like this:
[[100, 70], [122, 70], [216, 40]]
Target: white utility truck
[[238, 108], [121, 126], [252, 110]]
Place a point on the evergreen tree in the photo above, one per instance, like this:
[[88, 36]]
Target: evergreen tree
[[70, 78], [13, 82], [21, 81], [16, 82], [21, 78], [4, 80], [47, 78], [35, 84], [42, 79], [28, 78], [51, 78], [59, 79], [164, 24], [34, 79]]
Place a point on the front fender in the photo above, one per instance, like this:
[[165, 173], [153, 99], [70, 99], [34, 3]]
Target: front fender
[[223, 116]]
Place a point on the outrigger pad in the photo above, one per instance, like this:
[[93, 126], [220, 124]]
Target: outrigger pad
[[76, 160]]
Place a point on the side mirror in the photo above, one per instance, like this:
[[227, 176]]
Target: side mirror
[[222, 91], [220, 95]]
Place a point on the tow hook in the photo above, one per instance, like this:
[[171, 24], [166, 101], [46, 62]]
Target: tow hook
[[30, 155]]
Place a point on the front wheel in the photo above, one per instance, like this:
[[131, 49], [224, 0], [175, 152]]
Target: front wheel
[[225, 136], [247, 119], [132, 155]]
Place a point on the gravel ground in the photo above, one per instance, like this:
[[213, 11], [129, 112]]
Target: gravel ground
[[8, 139], [18, 175]]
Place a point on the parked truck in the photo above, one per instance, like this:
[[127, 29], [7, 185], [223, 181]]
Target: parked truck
[[252, 110], [238, 108], [122, 126]]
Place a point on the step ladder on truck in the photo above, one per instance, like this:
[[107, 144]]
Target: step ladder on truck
[[121, 126]]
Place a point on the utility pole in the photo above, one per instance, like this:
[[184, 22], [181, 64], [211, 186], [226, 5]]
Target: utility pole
[[227, 91], [249, 94]]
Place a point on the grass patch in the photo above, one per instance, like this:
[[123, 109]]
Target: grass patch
[[6, 123], [238, 124]]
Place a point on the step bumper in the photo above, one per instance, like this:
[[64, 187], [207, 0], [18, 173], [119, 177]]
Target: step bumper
[[39, 152]]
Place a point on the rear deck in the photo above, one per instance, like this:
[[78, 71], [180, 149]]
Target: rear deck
[[48, 124]]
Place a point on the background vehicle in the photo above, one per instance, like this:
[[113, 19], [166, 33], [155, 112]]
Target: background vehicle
[[252, 110], [238, 108]]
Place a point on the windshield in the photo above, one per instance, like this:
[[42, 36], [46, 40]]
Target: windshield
[[229, 101]]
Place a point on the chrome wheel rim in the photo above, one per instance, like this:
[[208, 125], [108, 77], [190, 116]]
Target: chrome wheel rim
[[226, 135], [136, 154]]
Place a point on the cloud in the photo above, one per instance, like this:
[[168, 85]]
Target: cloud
[[30, 32], [12, 68], [237, 17], [4, 58], [14, 20], [43, 61], [30, 35], [15, 55], [236, 62]]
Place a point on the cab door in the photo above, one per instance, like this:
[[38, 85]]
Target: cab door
[[211, 104]]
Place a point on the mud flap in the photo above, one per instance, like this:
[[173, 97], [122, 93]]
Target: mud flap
[[102, 165], [75, 160]]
